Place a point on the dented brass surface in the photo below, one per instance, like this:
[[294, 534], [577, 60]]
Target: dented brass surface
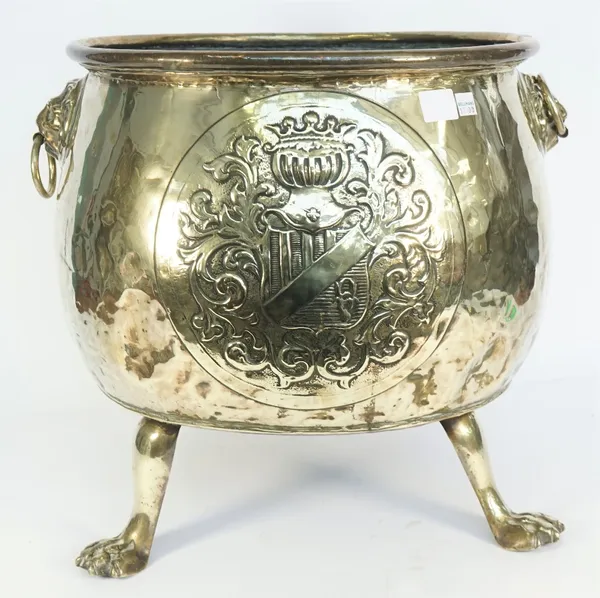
[[267, 240]]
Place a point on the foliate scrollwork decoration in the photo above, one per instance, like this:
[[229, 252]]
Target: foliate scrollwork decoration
[[221, 246], [311, 252], [405, 237]]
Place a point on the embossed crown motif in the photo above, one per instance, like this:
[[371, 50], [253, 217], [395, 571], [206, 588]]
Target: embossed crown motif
[[311, 152]]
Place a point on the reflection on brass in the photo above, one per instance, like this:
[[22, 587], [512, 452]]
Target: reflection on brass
[[263, 233]]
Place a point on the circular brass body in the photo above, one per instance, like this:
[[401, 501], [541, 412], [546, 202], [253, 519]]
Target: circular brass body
[[273, 233]]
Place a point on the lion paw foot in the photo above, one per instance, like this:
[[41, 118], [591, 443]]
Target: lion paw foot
[[527, 531], [117, 557]]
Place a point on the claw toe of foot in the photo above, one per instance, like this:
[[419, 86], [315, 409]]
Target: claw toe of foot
[[116, 557], [527, 531]]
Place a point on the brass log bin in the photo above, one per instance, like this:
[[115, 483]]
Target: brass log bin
[[307, 234]]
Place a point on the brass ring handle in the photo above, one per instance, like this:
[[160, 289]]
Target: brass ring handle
[[555, 110], [38, 141]]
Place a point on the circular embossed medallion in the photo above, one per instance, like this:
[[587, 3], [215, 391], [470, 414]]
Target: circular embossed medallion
[[310, 250]]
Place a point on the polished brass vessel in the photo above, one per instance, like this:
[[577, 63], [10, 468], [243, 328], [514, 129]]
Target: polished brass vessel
[[301, 234]]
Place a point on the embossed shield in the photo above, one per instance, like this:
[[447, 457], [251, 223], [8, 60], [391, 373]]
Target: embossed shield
[[303, 287]]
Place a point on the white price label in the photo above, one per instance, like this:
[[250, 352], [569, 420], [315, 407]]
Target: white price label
[[466, 104], [443, 104], [438, 104]]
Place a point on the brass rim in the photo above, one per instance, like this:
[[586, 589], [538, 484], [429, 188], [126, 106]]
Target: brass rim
[[38, 142], [249, 53]]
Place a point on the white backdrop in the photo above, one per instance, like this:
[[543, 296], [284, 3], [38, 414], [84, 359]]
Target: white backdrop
[[372, 516]]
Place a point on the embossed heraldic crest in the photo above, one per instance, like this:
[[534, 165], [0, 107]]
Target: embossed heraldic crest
[[305, 238]]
